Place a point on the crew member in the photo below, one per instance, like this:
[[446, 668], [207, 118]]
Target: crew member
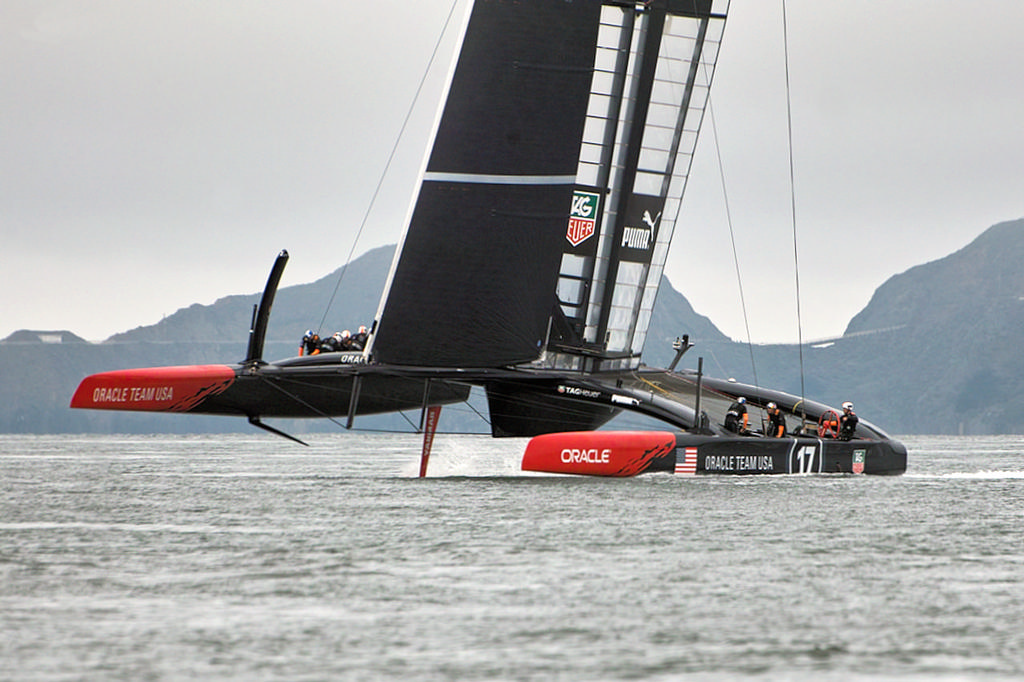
[[359, 338], [847, 422], [332, 344], [736, 418], [310, 343], [776, 422]]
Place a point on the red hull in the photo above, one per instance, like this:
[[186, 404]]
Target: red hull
[[599, 453], [154, 389]]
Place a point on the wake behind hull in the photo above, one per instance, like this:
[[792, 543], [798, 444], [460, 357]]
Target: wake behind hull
[[605, 453]]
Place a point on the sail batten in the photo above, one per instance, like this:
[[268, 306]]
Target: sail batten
[[482, 179]]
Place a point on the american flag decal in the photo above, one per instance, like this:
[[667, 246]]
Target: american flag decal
[[687, 466]]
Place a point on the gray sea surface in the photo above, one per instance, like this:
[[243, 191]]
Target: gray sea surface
[[251, 558]]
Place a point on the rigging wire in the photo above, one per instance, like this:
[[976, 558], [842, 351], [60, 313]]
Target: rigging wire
[[391, 157], [732, 239], [792, 199], [728, 219], [299, 400], [732, 235]]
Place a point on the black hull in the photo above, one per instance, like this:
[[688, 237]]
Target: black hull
[[629, 453], [519, 410], [752, 456]]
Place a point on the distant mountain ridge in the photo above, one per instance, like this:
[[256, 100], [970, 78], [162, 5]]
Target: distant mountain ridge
[[982, 282], [355, 290], [955, 360], [936, 350]]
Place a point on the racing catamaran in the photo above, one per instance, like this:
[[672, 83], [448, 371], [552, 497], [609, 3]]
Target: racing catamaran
[[539, 230]]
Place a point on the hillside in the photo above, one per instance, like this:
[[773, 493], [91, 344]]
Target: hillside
[[979, 287], [952, 360], [936, 350]]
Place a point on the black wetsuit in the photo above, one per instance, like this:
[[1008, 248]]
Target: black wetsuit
[[310, 344], [847, 425], [330, 345], [775, 420], [734, 417]]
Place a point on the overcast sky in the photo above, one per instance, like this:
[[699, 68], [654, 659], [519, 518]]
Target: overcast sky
[[157, 154]]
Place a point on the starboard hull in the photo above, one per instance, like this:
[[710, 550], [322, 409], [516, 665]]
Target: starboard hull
[[610, 453]]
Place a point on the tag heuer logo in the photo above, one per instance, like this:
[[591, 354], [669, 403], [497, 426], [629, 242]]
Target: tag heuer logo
[[858, 461], [582, 217]]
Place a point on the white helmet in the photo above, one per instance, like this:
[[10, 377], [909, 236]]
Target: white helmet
[[741, 400], [771, 406], [847, 405]]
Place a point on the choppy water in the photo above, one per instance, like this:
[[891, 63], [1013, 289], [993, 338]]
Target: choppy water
[[248, 558]]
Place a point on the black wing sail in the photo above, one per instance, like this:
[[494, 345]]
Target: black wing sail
[[473, 282], [554, 182]]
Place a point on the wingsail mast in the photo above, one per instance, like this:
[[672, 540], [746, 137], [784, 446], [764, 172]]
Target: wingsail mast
[[653, 69]]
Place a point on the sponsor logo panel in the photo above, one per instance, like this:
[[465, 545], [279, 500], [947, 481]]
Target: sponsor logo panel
[[640, 228], [739, 464], [859, 458], [583, 217], [578, 392]]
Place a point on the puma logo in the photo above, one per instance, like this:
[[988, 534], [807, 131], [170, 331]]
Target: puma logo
[[651, 221]]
